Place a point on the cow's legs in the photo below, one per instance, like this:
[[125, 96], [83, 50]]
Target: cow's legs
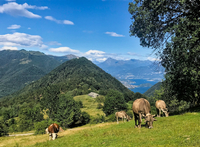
[[135, 117], [139, 120], [117, 119], [158, 112], [54, 136]]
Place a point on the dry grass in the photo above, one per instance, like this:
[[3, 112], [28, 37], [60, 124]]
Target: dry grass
[[23, 141]]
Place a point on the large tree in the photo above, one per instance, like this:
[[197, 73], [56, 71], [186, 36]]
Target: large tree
[[172, 28]]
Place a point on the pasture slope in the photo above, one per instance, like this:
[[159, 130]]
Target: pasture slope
[[178, 130]]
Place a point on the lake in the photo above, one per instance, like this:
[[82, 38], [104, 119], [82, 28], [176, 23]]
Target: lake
[[142, 81]]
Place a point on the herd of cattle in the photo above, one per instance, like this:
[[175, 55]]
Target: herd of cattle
[[141, 108]]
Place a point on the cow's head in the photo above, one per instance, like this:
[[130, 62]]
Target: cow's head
[[165, 110], [128, 118], [149, 119]]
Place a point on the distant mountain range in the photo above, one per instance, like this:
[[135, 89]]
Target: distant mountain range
[[133, 69], [19, 68]]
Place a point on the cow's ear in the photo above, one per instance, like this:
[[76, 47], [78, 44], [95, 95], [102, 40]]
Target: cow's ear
[[154, 115], [155, 119]]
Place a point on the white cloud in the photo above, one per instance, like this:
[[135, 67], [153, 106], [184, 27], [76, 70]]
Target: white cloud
[[10, 0], [114, 34], [64, 50], [15, 9], [67, 22], [15, 26], [22, 40], [9, 48], [95, 53]]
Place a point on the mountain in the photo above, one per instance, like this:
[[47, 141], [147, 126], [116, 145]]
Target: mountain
[[79, 73], [19, 68], [63, 58], [151, 90], [78, 76], [133, 69]]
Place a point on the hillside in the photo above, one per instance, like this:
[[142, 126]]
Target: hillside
[[179, 130], [19, 68], [78, 76], [151, 90], [76, 73]]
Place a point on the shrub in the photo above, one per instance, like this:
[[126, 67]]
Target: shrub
[[98, 119], [111, 118], [41, 126], [85, 118]]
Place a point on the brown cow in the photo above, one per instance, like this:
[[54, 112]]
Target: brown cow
[[52, 130], [123, 115], [141, 107], [160, 105]]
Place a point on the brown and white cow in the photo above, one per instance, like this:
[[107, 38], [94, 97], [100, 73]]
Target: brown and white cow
[[123, 115], [52, 130], [161, 106], [141, 107]]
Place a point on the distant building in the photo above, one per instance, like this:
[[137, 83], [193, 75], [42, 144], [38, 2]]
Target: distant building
[[93, 94]]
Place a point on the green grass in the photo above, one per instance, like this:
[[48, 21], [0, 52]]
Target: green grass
[[89, 104], [179, 130]]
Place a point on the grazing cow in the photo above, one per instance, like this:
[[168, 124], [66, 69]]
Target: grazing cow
[[160, 105], [141, 107], [52, 130], [123, 115]]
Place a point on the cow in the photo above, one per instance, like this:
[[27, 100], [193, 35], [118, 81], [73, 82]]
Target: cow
[[123, 115], [161, 106], [141, 107], [52, 130]]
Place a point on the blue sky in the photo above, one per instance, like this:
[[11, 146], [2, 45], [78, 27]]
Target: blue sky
[[96, 29]]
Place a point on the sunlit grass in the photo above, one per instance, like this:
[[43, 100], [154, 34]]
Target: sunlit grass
[[90, 105], [180, 130]]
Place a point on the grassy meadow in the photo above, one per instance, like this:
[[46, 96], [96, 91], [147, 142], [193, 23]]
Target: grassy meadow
[[89, 104], [178, 130]]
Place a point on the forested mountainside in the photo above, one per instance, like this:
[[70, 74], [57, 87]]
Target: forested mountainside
[[151, 90], [20, 68], [78, 76]]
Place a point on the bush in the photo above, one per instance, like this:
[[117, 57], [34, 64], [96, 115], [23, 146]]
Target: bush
[[85, 118], [99, 106], [3, 128], [98, 119], [41, 126], [130, 113], [111, 118]]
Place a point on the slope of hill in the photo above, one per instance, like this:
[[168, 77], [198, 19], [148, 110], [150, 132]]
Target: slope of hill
[[19, 68], [151, 90], [173, 131], [78, 76]]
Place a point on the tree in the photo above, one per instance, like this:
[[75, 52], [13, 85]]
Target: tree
[[172, 28], [50, 100], [68, 112], [114, 101]]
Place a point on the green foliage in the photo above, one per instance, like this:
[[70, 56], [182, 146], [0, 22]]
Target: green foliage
[[98, 119], [114, 101], [85, 118], [41, 126], [111, 118], [151, 90], [129, 96], [173, 29], [3, 128], [68, 111], [27, 117], [19, 68]]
